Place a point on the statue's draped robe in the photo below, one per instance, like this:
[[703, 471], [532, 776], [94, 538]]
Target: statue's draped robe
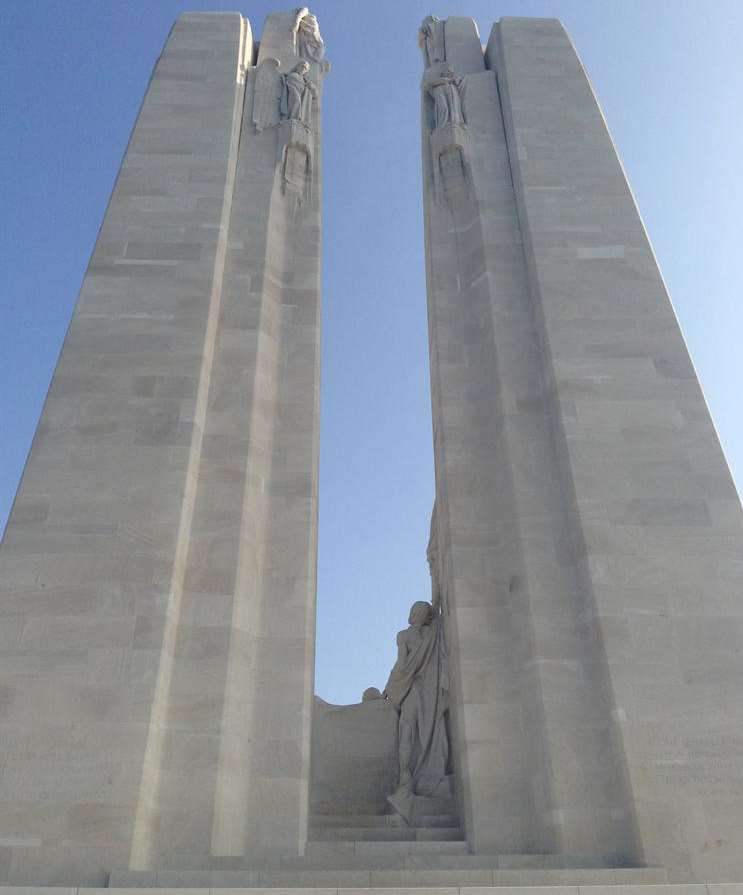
[[419, 687], [432, 39], [311, 45], [296, 98], [447, 102]]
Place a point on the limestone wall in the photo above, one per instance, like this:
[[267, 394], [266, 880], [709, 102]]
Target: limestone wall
[[354, 756], [157, 575], [657, 520], [588, 526]]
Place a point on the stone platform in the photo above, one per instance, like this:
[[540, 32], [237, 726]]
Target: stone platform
[[362, 844], [444, 877], [505, 889]]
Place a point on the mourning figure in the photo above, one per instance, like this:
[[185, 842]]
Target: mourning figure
[[297, 91], [418, 687], [445, 90], [432, 40], [310, 44]]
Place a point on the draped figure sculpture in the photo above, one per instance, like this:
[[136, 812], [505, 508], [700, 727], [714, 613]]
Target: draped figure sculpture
[[445, 89], [431, 38], [418, 687], [309, 42], [296, 94]]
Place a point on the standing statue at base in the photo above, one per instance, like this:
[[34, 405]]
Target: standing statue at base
[[418, 687]]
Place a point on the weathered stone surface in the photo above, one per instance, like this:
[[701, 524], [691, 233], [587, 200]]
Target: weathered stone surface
[[157, 578], [588, 530], [639, 462], [354, 753], [158, 645]]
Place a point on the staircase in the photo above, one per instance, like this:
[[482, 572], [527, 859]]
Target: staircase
[[341, 838], [364, 845]]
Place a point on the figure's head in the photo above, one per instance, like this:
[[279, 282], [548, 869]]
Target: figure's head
[[421, 613], [302, 67], [370, 694], [309, 23]]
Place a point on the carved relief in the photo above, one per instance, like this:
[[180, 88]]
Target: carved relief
[[295, 159], [451, 170], [446, 93], [297, 92], [267, 94], [308, 41], [444, 96], [432, 40], [282, 96], [452, 167], [285, 100]]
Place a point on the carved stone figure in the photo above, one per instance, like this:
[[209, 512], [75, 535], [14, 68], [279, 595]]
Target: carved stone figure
[[446, 91], [310, 44], [431, 38], [296, 95], [418, 687]]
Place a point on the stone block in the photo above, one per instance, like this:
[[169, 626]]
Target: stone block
[[436, 879], [520, 890]]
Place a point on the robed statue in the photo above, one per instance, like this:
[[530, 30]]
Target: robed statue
[[309, 42], [418, 687], [296, 94], [431, 37], [446, 90], [280, 96]]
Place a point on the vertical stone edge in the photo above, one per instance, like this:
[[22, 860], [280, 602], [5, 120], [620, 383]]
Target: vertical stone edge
[[471, 247], [659, 508], [262, 791], [147, 805], [605, 827]]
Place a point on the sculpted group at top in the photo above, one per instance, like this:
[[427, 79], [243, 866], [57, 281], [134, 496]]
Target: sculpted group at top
[[288, 94]]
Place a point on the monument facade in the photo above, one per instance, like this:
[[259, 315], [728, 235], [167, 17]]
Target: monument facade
[[565, 710], [158, 568], [588, 531]]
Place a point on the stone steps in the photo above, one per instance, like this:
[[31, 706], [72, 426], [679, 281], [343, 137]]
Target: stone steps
[[369, 847], [424, 806], [384, 859], [350, 807], [382, 878], [390, 833], [335, 851], [322, 821]]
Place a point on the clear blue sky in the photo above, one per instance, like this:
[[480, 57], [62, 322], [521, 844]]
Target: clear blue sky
[[669, 75]]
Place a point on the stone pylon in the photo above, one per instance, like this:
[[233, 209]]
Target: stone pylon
[[158, 569], [588, 529]]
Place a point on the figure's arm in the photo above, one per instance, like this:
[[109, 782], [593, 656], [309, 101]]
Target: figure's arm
[[301, 12], [402, 650], [402, 653], [436, 601]]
